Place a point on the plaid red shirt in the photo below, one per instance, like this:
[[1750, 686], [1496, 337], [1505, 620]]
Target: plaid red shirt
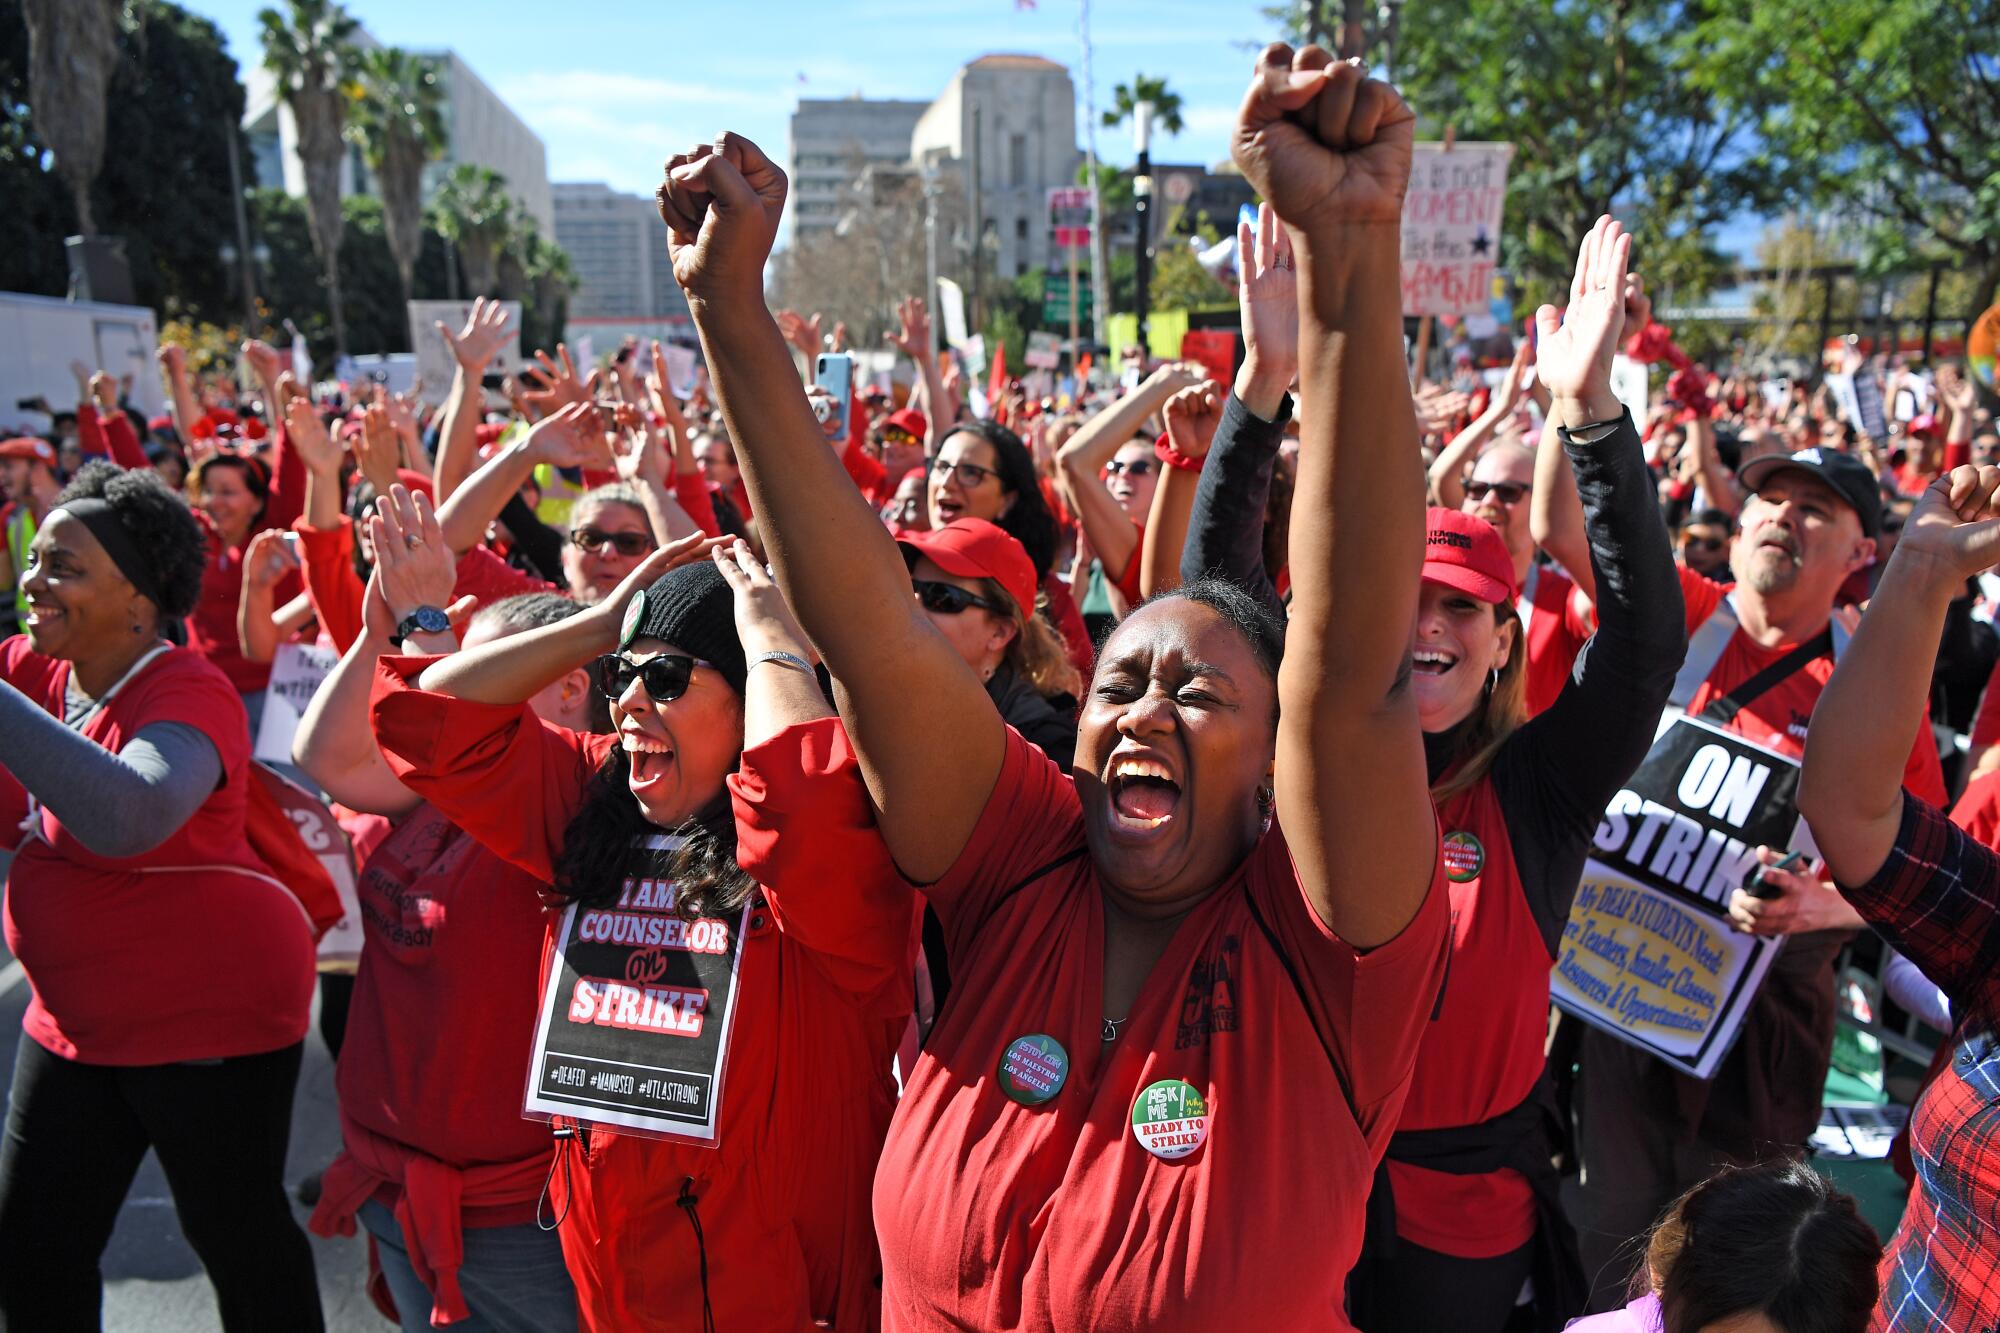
[[1937, 898]]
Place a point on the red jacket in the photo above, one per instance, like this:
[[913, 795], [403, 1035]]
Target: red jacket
[[782, 1199]]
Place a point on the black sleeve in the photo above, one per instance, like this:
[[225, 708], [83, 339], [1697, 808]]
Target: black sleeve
[[1226, 531], [1556, 774], [534, 539]]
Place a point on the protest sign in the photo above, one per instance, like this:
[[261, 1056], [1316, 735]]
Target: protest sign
[[340, 946], [435, 363], [951, 307], [297, 672], [638, 1008], [1214, 350], [1451, 227], [1649, 954], [1044, 351]]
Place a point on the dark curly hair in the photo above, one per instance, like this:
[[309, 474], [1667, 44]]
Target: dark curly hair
[[1028, 520], [160, 523], [1257, 623], [596, 845]]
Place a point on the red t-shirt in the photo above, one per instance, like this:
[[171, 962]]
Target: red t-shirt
[[995, 1215], [190, 951], [1778, 718], [1553, 634], [212, 628], [825, 995], [1978, 809], [454, 935], [1986, 723], [484, 575], [1482, 1051]]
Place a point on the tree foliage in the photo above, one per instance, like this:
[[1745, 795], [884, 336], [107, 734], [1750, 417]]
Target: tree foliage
[[72, 50], [1608, 107], [397, 117], [310, 53], [1886, 109], [1125, 99], [474, 211]]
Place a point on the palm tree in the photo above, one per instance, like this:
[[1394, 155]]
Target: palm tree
[[399, 124], [312, 57], [72, 50], [476, 214], [551, 279], [1125, 99]]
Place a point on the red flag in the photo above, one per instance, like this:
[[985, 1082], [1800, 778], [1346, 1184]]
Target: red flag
[[996, 381]]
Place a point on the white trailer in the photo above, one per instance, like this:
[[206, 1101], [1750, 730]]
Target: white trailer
[[41, 335]]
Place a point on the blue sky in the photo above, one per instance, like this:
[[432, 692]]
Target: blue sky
[[614, 86]]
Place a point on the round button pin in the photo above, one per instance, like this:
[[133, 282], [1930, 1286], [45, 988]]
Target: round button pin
[[1170, 1118], [1033, 1069]]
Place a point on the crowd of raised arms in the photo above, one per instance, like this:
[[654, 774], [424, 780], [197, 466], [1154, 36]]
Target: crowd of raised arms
[[918, 860]]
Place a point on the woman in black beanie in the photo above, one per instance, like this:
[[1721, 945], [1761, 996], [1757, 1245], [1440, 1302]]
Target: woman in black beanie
[[720, 1005]]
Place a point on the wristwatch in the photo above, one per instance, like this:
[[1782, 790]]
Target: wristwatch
[[423, 620]]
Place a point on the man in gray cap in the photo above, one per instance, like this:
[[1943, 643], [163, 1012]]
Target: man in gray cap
[[1758, 656]]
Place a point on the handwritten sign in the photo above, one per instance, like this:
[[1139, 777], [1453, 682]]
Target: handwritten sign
[[434, 359], [297, 672], [1648, 953], [1451, 227]]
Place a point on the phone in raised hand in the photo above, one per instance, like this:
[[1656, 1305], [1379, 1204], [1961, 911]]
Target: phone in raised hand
[[834, 372]]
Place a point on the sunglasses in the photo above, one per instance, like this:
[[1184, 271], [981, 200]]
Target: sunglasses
[[970, 475], [948, 599], [1701, 543], [897, 435], [627, 544], [1136, 467], [665, 677], [1506, 492]]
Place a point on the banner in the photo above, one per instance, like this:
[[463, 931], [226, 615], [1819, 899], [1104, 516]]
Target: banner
[[435, 363], [297, 672], [637, 1009], [1044, 351], [1649, 953], [1451, 227], [340, 946], [1214, 350]]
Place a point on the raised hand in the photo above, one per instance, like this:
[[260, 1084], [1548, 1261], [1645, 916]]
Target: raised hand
[[801, 332], [913, 339], [484, 334], [640, 452], [173, 359], [377, 450], [610, 609], [764, 622], [836, 341], [1326, 144], [269, 558], [1956, 522], [556, 384], [1268, 296], [721, 203], [104, 390], [307, 434], [1956, 389], [572, 437], [412, 559], [263, 360], [1192, 416], [1576, 346]]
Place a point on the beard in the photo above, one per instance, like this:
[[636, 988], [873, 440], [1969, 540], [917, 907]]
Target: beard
[[1770, 570]]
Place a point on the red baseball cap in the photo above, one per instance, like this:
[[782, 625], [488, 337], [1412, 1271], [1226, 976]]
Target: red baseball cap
[[972, 548], [1464, 551], [30, 448], [908, 419]]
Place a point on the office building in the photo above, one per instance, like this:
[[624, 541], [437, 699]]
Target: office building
[[835, 142], [618, 246], [479, 128]]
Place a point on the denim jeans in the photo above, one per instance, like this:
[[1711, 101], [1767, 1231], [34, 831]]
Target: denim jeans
[[513, 1278]]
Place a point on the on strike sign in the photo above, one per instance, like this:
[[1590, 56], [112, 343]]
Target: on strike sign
[[1648, 953], [1451, 227]]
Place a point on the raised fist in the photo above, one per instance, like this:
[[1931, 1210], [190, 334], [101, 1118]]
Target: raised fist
[[1957, 522], [1324, 143], [721, 203]]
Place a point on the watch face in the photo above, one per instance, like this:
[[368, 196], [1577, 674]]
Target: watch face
[[431, 620]]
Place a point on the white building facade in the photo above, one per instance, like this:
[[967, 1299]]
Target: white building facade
[[618, 246], [834, 141]]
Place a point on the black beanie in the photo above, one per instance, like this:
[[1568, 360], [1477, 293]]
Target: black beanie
[[693, 609]]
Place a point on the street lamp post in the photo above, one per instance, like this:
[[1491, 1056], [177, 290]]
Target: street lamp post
[[1142, 207]]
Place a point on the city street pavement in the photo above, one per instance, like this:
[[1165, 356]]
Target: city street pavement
[[152, 1281]]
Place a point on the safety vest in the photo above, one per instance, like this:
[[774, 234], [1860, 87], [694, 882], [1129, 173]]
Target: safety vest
[[21, 527], [1707, 644]]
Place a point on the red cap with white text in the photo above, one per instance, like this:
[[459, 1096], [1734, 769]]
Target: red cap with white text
[[1463, 551]]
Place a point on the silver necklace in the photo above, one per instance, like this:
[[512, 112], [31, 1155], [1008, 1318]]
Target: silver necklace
[[1111, 1026]]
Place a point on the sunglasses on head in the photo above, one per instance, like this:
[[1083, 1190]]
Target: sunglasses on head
[[1134, 467], [969, 475], [949, 599], [665, 677], [627, 544], [1506, 492]]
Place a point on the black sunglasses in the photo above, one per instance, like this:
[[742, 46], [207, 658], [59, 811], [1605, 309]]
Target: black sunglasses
[[627, 544], [665, 677], [1701, 543], [1507, 492], [1137, 467], [948, 599]]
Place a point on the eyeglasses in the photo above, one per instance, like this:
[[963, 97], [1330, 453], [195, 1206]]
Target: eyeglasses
[[665, 677], [948, 599], [1135, 467], [627, 544], [1506, 492], [970, 475]]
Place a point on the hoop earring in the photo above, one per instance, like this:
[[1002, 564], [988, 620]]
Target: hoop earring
[[1492, 681], [1265, 798]]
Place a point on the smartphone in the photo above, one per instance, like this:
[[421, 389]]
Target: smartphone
[[494, 380], [834, 372], [1759, 887]]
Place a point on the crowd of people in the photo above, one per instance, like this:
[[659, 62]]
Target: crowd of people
[[904, 858]]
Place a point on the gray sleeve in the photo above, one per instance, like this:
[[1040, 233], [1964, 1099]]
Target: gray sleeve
[[122, 804]]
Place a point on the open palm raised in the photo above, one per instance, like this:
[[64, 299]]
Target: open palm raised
[[1575, 347], [1957, 521]]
